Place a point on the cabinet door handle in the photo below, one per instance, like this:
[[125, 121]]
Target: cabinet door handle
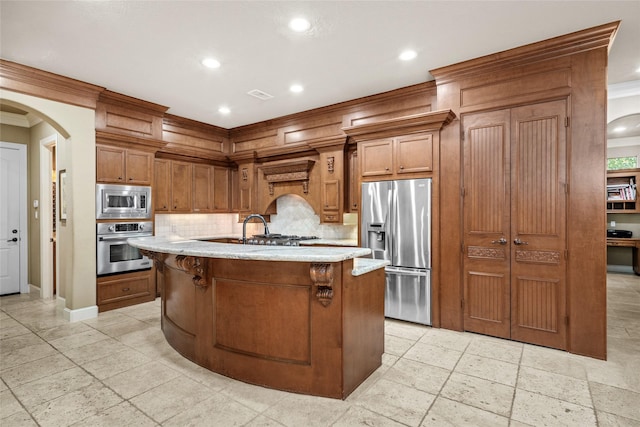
[[126, 289], [502, 241], [520, 242]]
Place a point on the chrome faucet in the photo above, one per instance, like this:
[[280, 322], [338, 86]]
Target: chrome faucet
[[244, 226]]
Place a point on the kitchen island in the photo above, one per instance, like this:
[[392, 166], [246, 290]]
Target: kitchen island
[[301, 319]]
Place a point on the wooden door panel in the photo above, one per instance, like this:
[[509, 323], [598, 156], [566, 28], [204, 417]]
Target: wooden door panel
[[487, 223], [538, 231]]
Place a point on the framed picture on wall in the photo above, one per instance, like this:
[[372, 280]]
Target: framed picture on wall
[[62, 191]]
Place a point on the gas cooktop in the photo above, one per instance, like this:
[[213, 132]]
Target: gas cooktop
[[278, 239]]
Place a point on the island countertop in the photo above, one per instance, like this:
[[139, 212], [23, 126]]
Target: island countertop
[[180, 246]]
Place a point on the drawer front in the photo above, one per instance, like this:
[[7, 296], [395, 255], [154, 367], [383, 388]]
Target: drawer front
[[123, 289]]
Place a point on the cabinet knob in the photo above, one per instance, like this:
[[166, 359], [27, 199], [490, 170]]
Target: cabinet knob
[[386, 169], [119, 178], [126, 289], [401, 167]]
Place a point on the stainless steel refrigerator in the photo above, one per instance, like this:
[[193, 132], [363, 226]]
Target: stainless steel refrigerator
[[396, 226]]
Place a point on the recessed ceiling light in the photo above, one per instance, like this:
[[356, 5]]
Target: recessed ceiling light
[[296, 88], [408, 55], [299, 25], [620, 129], [224, 110], [211, 63]]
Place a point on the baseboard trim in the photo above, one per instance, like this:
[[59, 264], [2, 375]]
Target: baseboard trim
[[80, 314], [619, 268]]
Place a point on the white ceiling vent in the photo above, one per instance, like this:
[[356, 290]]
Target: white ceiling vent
[[257, 93]]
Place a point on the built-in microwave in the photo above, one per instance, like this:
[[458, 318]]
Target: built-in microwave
[[122, 201]]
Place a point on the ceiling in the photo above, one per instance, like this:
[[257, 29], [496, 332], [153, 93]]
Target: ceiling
[[152, 50]]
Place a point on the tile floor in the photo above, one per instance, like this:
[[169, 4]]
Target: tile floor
[[117, 370]]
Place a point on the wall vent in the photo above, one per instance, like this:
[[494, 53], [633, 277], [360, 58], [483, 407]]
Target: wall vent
[[257, 93]]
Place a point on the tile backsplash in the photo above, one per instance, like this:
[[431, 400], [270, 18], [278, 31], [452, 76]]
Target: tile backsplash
[[295, 216]]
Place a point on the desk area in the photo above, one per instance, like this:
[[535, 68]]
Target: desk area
[[634, 244]]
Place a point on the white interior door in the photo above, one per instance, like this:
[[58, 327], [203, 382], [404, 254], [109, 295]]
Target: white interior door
[[12, 221]]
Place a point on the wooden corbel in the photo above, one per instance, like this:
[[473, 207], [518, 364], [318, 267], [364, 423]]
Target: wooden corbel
[[157, 257], [196, 266], [322, 278]]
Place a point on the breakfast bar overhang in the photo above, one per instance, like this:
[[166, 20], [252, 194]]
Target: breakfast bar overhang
[[299, 319]]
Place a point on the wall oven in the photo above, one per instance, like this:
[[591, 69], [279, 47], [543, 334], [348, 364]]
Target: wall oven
[[114, 255], [122, 201]]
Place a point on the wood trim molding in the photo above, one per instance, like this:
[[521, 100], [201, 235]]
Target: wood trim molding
[[129, 141], [288, 172], [31, 81], [569, 44], [433, 121], [120, 100], [196, 266]]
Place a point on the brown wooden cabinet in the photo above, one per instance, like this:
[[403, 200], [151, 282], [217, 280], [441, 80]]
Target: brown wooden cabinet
[[123, 166], [390, 158], [514, 222], [162, 185], [352, 200], [121, 290], [622, 194], [183, 187]]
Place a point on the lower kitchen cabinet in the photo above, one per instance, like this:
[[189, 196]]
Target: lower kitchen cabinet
[[122, 290]]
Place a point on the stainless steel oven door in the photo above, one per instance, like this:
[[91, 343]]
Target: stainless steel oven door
[[114, 255]]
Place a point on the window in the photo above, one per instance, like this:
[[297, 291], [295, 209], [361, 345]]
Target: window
[[615, 163]]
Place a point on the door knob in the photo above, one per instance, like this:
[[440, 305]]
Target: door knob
[[502, 241], [520, 242], [15, 239], [14, 231]]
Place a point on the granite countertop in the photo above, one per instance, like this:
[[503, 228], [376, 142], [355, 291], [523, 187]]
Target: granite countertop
[[180, 246], [329, 242], [365, 265]]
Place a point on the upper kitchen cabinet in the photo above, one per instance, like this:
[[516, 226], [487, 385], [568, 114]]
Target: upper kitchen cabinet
[[210, 189], [399, 148], [332, 178], [352, 198], [122, 166]]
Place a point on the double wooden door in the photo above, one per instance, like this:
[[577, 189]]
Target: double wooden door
[[515, 223]]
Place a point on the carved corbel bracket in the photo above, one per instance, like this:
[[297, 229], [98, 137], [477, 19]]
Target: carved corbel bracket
[[196, 266], [322, 278], [157, 257]]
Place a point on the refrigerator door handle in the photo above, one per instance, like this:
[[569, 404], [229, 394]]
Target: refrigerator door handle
[[405, 271]]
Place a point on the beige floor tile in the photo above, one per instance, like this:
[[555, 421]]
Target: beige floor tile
[[19, 419], [14, 358], [611, 420], [45, 389], [488, 369], [539, 410], [255, 397], [433, 355], [63, 331], [228, 413], [21, 341], [12, 329], [553, 385], [397, 346], [479, 393], [3, 386], [78, 340], [35, 370], [106, 318], [213, 381], [418, 375], [555, 361], [626, 375], [308, 411], [495, 348], [115, 363], [75, 406], [616, 401], [140, 379], [448, 413], [448, 339], [123, 414], [262, 421], [410, 331], [397, 401], [94, 351], [9, 405], [116, 330], [358, 416], [171, 398]]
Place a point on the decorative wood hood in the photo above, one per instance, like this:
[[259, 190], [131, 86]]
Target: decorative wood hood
[[290, 171]]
